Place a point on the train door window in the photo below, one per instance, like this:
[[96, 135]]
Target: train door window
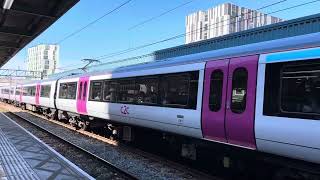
[[216, 86], [95, 92], [147, 90], [84, 90], [127, 91], [72, 90], [110, 91], [239, 90], [175, 90], [80, 91], [300, 89], [45, 91]]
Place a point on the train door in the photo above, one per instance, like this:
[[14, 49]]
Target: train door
[[229, 101], [240, 107], [38, 89], [82, 95], [214, 99]]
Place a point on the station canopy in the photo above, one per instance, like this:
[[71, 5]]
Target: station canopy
[[21, 21]]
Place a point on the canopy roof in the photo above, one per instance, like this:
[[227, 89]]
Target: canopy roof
[[21, 21]]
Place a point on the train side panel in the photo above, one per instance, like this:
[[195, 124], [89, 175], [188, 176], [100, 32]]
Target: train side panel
[[46, 97], [29, 96], [287, 107], [176, 120], [67, 94]]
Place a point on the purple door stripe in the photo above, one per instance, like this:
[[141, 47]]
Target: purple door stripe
[[213, 122], [240, 126], [82, 98], [38, 87]]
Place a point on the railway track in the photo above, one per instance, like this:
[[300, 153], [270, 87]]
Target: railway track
[[164, 169], [117, 173]]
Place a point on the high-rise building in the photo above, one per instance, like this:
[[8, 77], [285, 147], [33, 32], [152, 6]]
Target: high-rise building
[[224, 19], [43, 58]]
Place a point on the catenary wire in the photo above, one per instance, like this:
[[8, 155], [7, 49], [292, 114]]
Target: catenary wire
[[176, 36], [171, 38], [93, 22], [160, 15], [183, 35]]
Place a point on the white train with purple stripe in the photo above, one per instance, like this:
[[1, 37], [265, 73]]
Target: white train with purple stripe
[[263, 97]]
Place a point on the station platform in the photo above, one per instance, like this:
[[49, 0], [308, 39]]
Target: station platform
[[23, 156]]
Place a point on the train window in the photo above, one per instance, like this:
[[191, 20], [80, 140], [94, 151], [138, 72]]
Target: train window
[[239, 90], [17, 91], [300, 89], [84, 91], [95, 92], [63, 91], [24, 91], [292, 89], [80, 91], [147, 90], [30, 91], [216, 86], [110, 91], [175, 90], [68, 90], [127, 91], [45, 91], [72, 91]]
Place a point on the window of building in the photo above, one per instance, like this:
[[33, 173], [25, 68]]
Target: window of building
[[127, 91], [216, 86], [68, 90], [175, 90], [96, 90], [239, 90], [110, 91], [147, 90], [206, 17], [45, 91], [205, 27]]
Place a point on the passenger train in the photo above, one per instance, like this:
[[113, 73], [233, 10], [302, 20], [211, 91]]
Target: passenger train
[[263, 96]]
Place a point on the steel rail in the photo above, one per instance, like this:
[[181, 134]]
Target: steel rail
[[126, 173]]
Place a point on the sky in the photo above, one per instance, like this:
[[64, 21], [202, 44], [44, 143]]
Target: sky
[[112, 33]]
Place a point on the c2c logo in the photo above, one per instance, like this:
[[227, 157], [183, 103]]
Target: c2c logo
[[124, 110]]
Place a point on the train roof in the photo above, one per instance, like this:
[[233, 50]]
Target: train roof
[[296, 42]]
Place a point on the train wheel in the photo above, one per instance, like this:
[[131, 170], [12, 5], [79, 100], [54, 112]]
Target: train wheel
[[83, 125]]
